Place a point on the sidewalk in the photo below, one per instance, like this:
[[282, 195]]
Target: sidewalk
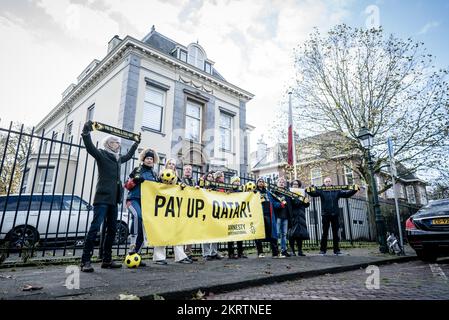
[[182, 281]]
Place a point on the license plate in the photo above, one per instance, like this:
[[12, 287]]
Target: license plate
[[440, 221]]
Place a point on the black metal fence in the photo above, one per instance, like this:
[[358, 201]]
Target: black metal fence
[[47, 184]]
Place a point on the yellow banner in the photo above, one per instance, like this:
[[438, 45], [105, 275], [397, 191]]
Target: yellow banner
[[173, 216]]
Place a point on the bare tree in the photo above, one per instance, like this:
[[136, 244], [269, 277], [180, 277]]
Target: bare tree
[[352, 78], [13, 150]]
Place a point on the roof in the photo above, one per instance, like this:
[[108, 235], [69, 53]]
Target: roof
[[166, 45]]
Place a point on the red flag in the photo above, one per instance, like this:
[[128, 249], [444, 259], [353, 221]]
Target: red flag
[[290, 132]]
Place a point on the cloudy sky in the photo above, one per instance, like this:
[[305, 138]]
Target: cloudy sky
[[47, 43]]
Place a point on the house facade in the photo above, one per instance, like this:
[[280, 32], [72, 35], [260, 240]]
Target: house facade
[[169, 92]]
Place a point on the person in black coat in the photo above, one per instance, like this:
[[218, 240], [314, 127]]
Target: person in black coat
[[297, 231], [330, 212], [108, 194], [231, 251]]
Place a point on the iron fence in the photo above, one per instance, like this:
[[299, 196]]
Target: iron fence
[[47, 184]]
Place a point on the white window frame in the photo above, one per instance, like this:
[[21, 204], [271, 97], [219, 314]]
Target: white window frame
[[193, 57], [230, 129], [348, 171], [200, 128], [423, 196], [69, 131], [41, 176], [314, 177], [152, 104], [90, 112], [411, 198]]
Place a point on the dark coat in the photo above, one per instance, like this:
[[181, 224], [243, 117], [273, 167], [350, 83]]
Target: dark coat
[[269, 215], [142, 171], [109, 188], [298, 223], [329, 200]]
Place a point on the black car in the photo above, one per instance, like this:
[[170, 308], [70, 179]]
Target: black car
[[428, 230]]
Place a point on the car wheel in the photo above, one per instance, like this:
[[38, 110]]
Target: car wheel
[[121, 236], [22, 237], [427, 255]]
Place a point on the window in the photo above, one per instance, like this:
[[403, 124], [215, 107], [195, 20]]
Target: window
[[153, 109], [422, 195], [90, 112], [410, 194], [196, 57], [349, 174], [193, 121], [225, 131], [25, 179], [208, 67], [45, 185], [316, 178], [183, 55], [69, 131]]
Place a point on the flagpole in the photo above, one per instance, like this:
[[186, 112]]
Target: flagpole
[[290, 115]]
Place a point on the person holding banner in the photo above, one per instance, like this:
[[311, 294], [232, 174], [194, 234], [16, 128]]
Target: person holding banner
[[108, 195], [235, 181], [210, 250], [144, 172], [269, 217], [297, 231], [188, 181], [160, 254], [330, 211], [282, 207]]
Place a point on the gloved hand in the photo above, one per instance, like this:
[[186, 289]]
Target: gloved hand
[[182, 185], [87, 127], [139, 138], [138, 180], [283, 203], [356, 187]]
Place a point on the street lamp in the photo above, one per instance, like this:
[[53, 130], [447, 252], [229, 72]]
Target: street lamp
[[366, 140]]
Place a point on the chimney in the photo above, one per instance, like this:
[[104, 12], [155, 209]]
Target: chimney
[[113, 43], [261, 152]]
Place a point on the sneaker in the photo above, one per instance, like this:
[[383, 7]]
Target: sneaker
[[338, 253], [261, 255], [292, 254], [192, 258], [208, 258], [185, 260], [281, 256], [86, 267], [161, 262], [286, 254], [111, 265], [301, 254]]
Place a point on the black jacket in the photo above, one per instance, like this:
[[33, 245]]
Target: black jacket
[[109, 188], [188, 181], [298, 223], [329, 200]]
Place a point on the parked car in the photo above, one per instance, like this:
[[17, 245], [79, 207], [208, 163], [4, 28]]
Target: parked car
[[47, 219], [428, 230]]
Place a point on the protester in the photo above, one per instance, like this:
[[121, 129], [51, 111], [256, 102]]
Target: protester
[[269, 220], [282, 208], [187, 180], [108, 195], [159, 255], [144, 172], [235, 181], [297, 231], [330, 212]]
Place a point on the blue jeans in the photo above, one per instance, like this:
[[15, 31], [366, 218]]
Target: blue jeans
[[107, 214], [136, 226], [282, 225]]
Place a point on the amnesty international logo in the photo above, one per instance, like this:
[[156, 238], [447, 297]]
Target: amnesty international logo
[[251, 228]]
